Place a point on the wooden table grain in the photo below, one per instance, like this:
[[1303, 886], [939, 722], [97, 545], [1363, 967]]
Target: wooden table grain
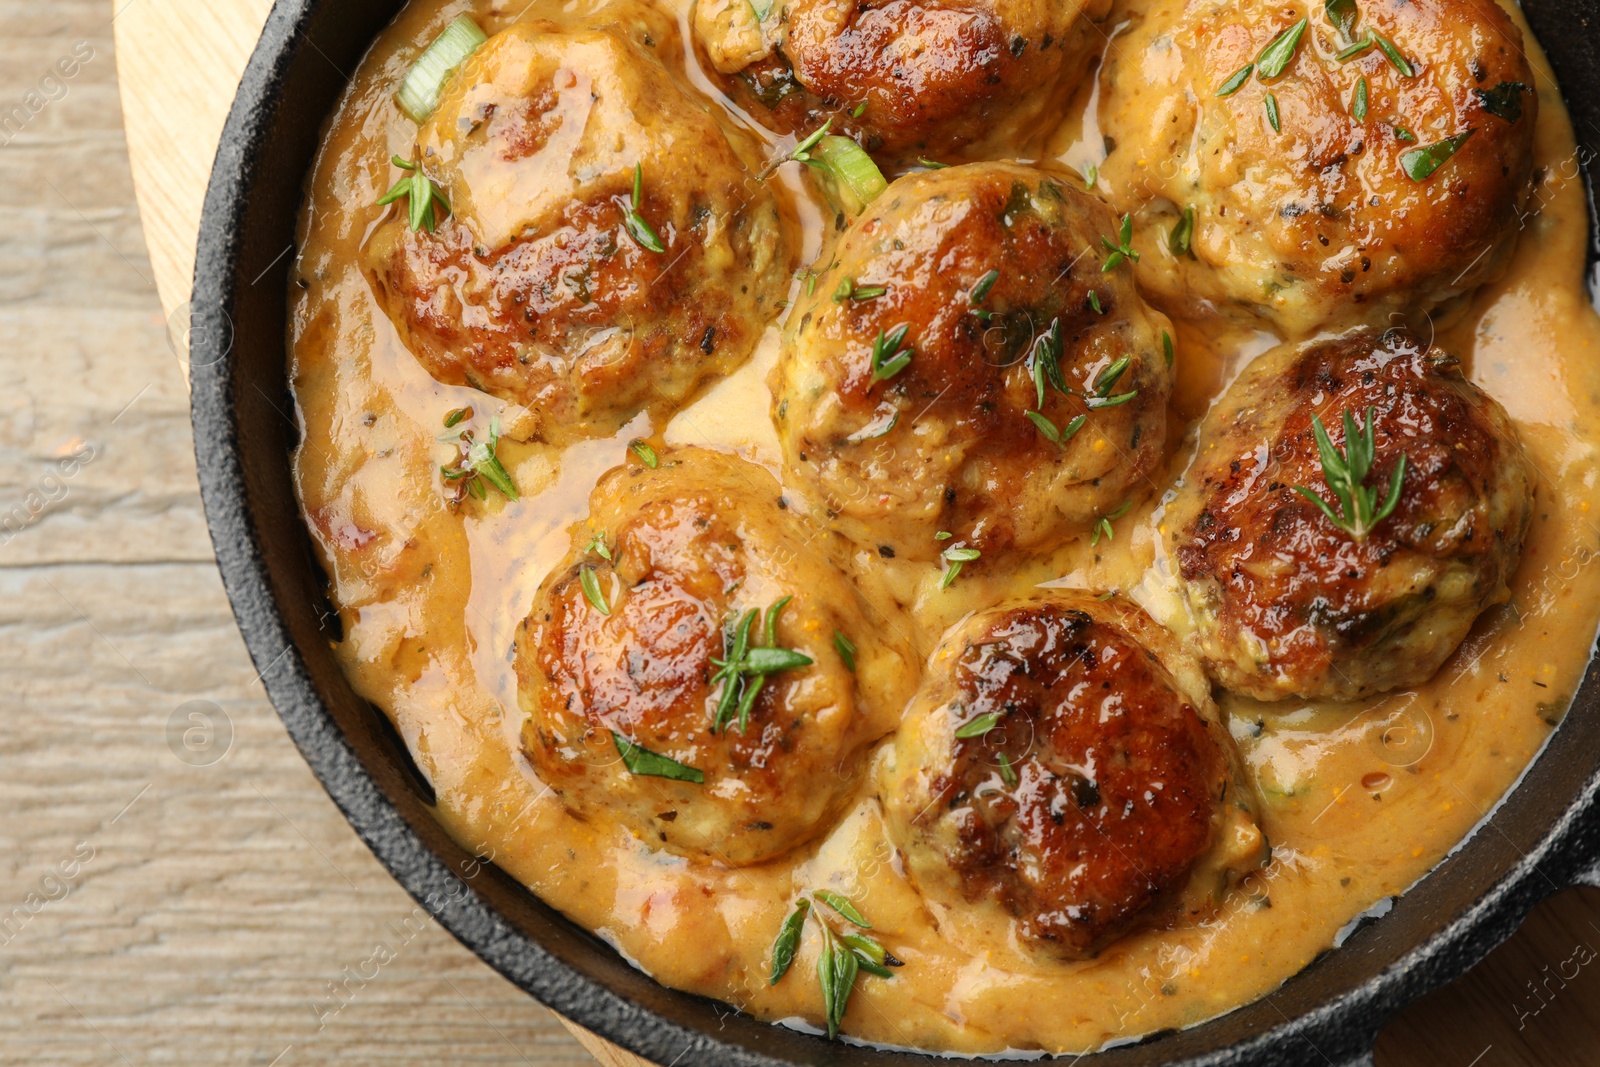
[[175, 887]]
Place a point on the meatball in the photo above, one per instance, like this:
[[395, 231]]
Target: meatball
[[928, 77], [969, 364], [540, 287], [1062, 776], [1288, 603], [1334, 193], [630, 712]]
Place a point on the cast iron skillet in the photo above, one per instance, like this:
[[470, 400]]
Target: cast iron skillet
[[1544, 837]]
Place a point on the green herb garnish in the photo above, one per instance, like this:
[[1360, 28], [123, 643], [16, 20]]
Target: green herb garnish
[[455, 415], [1403, 134], [1102, 525], [1420, 163], [1342, 14], [422, 195], [980, 292], [1008, 773], [846, 649], [1051, 433], [640, 230], [802, 151], [1346, 472], [954, 559], [980, 725], [849, 290], [643, 762], [1182, 234], [743, 669], [480, 464], [646, 454], [1279, 52], [1094, 303], [1396, 60], [1123, 249], [1166, 346], [590, 581], [843, 955], [1091, 176], [1272, 113], [1236, 80], [1358, 108], [598, 546], [1350, 52], [888, 357], [1503, 101], [932, 164]]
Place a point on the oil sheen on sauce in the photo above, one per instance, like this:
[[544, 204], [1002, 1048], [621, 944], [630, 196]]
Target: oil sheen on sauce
[[1359, 802]]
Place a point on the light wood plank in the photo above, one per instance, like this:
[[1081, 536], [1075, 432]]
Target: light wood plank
[[219, 906]]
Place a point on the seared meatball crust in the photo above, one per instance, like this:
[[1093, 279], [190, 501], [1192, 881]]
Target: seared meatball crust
[[679, 553], [1103, 796], [534, 289], [947, 443], [1320, 224], [1288, 604], [930, 77]]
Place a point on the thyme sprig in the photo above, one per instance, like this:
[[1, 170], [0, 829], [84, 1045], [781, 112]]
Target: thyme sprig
[[640, 230], [742, 671], [1345, 472], [422, 196], [1122, 249], [844, 954], [477, 463]]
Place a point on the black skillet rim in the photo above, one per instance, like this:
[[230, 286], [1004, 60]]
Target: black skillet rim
[[575, 974]]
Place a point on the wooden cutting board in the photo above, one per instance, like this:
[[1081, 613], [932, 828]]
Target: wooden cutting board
[[178, 66]]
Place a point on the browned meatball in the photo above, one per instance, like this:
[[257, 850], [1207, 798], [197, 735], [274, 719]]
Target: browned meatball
[[1062, 775], [1333, 217], [929, 77], [536, 289], [992, 276], [1285, 601], [616, 677]]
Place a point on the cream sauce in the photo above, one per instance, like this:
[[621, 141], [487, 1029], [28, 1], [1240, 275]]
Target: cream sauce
[[1359, 802]]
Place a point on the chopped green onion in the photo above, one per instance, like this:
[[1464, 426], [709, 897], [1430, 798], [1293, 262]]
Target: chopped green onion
[[425, 81], [854, 173]]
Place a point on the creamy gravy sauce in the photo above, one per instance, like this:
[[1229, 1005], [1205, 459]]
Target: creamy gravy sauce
[[1359, 802]]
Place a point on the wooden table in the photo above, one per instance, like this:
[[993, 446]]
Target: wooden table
[[178, 64]]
